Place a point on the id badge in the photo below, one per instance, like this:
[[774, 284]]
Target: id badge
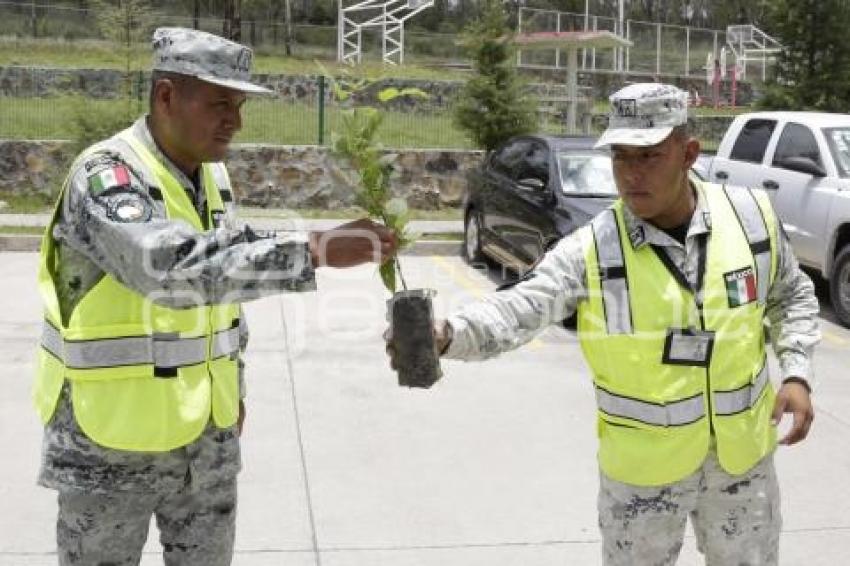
[[688, 347]]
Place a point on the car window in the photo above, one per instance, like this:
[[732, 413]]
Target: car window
[[796, 140], [753, 139], [535, 164], [587, 172], [838, 140], [510, 159]]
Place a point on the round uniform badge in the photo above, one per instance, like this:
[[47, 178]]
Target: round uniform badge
[[130, 210]]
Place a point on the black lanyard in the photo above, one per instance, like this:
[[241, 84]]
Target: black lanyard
[[679, 276]]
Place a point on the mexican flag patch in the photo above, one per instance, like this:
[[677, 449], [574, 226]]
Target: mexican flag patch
[[740, 286], [113, 176]]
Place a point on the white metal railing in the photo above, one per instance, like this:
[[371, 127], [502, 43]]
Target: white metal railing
[[750, 44]]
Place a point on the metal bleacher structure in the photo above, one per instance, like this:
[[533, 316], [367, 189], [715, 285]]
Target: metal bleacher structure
[[651, 49], [387, 15], [657, 49], [751, 45]]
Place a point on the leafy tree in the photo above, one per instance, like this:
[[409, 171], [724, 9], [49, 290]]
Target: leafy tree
[[124, 22], [322, 13], [232, 21], [813, 70], [493, 106], [431, 18]]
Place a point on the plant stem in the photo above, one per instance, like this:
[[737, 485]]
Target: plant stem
[[400, 274], [386, 222]]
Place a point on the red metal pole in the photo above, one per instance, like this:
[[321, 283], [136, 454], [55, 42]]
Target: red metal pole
[[715, 84], [734, 83]]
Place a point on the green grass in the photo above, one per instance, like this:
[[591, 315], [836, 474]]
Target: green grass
[[22, 230], [94, 54], [26, 203], [264, 121]]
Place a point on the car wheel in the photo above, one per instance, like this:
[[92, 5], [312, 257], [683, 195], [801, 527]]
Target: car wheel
[[472, 238], [839, 286]]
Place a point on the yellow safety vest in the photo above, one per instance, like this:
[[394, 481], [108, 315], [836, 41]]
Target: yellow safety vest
[[671, 364], [144, 377]]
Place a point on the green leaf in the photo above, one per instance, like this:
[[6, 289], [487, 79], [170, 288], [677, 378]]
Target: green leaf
[[388, 94], [414, 92], [387, 271], [339, 92]]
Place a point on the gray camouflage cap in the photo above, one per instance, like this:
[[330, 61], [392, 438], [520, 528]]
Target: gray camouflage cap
[[204, 56], [644, 114]]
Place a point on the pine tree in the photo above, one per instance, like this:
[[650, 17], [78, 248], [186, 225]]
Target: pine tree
[[813, 70], [493, 105]]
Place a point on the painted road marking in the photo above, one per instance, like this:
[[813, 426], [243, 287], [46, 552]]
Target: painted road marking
[[835, 339], [459, 277]]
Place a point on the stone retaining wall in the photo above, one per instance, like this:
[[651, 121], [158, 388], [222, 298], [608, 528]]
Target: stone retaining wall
[[309, 177], [270, 176], [296, 176]]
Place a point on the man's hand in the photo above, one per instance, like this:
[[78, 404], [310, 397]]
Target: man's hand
[[353, 243], [793, 397], [442, 338]]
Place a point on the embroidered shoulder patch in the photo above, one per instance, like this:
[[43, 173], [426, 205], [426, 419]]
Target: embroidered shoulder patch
[[130, 210], [115, 175], [740, 286]]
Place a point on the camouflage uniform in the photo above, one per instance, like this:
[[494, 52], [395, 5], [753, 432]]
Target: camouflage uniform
[[107, 496], [737, 518]]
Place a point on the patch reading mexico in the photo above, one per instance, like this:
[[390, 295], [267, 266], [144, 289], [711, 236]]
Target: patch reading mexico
[[117, 176], [130, 210], [740, 286]]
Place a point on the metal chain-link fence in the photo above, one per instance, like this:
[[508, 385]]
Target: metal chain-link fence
[[73, 24], [657, 49], [39, 103]]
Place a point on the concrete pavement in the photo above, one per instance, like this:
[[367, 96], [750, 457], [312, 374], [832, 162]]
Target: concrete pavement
[[493, 466]]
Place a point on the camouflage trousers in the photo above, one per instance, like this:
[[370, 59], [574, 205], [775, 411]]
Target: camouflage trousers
[[736, 519], [197, 527]]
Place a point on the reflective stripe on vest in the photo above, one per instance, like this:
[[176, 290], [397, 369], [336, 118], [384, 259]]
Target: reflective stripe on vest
[[685, 411], [751, 219], [612, 273], [677, 413], [161, 350], [733, 402]]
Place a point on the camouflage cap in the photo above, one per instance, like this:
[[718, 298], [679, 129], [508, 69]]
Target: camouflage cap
[[644, 114], [204, 56]]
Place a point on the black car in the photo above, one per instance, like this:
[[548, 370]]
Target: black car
[[530, 192]]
